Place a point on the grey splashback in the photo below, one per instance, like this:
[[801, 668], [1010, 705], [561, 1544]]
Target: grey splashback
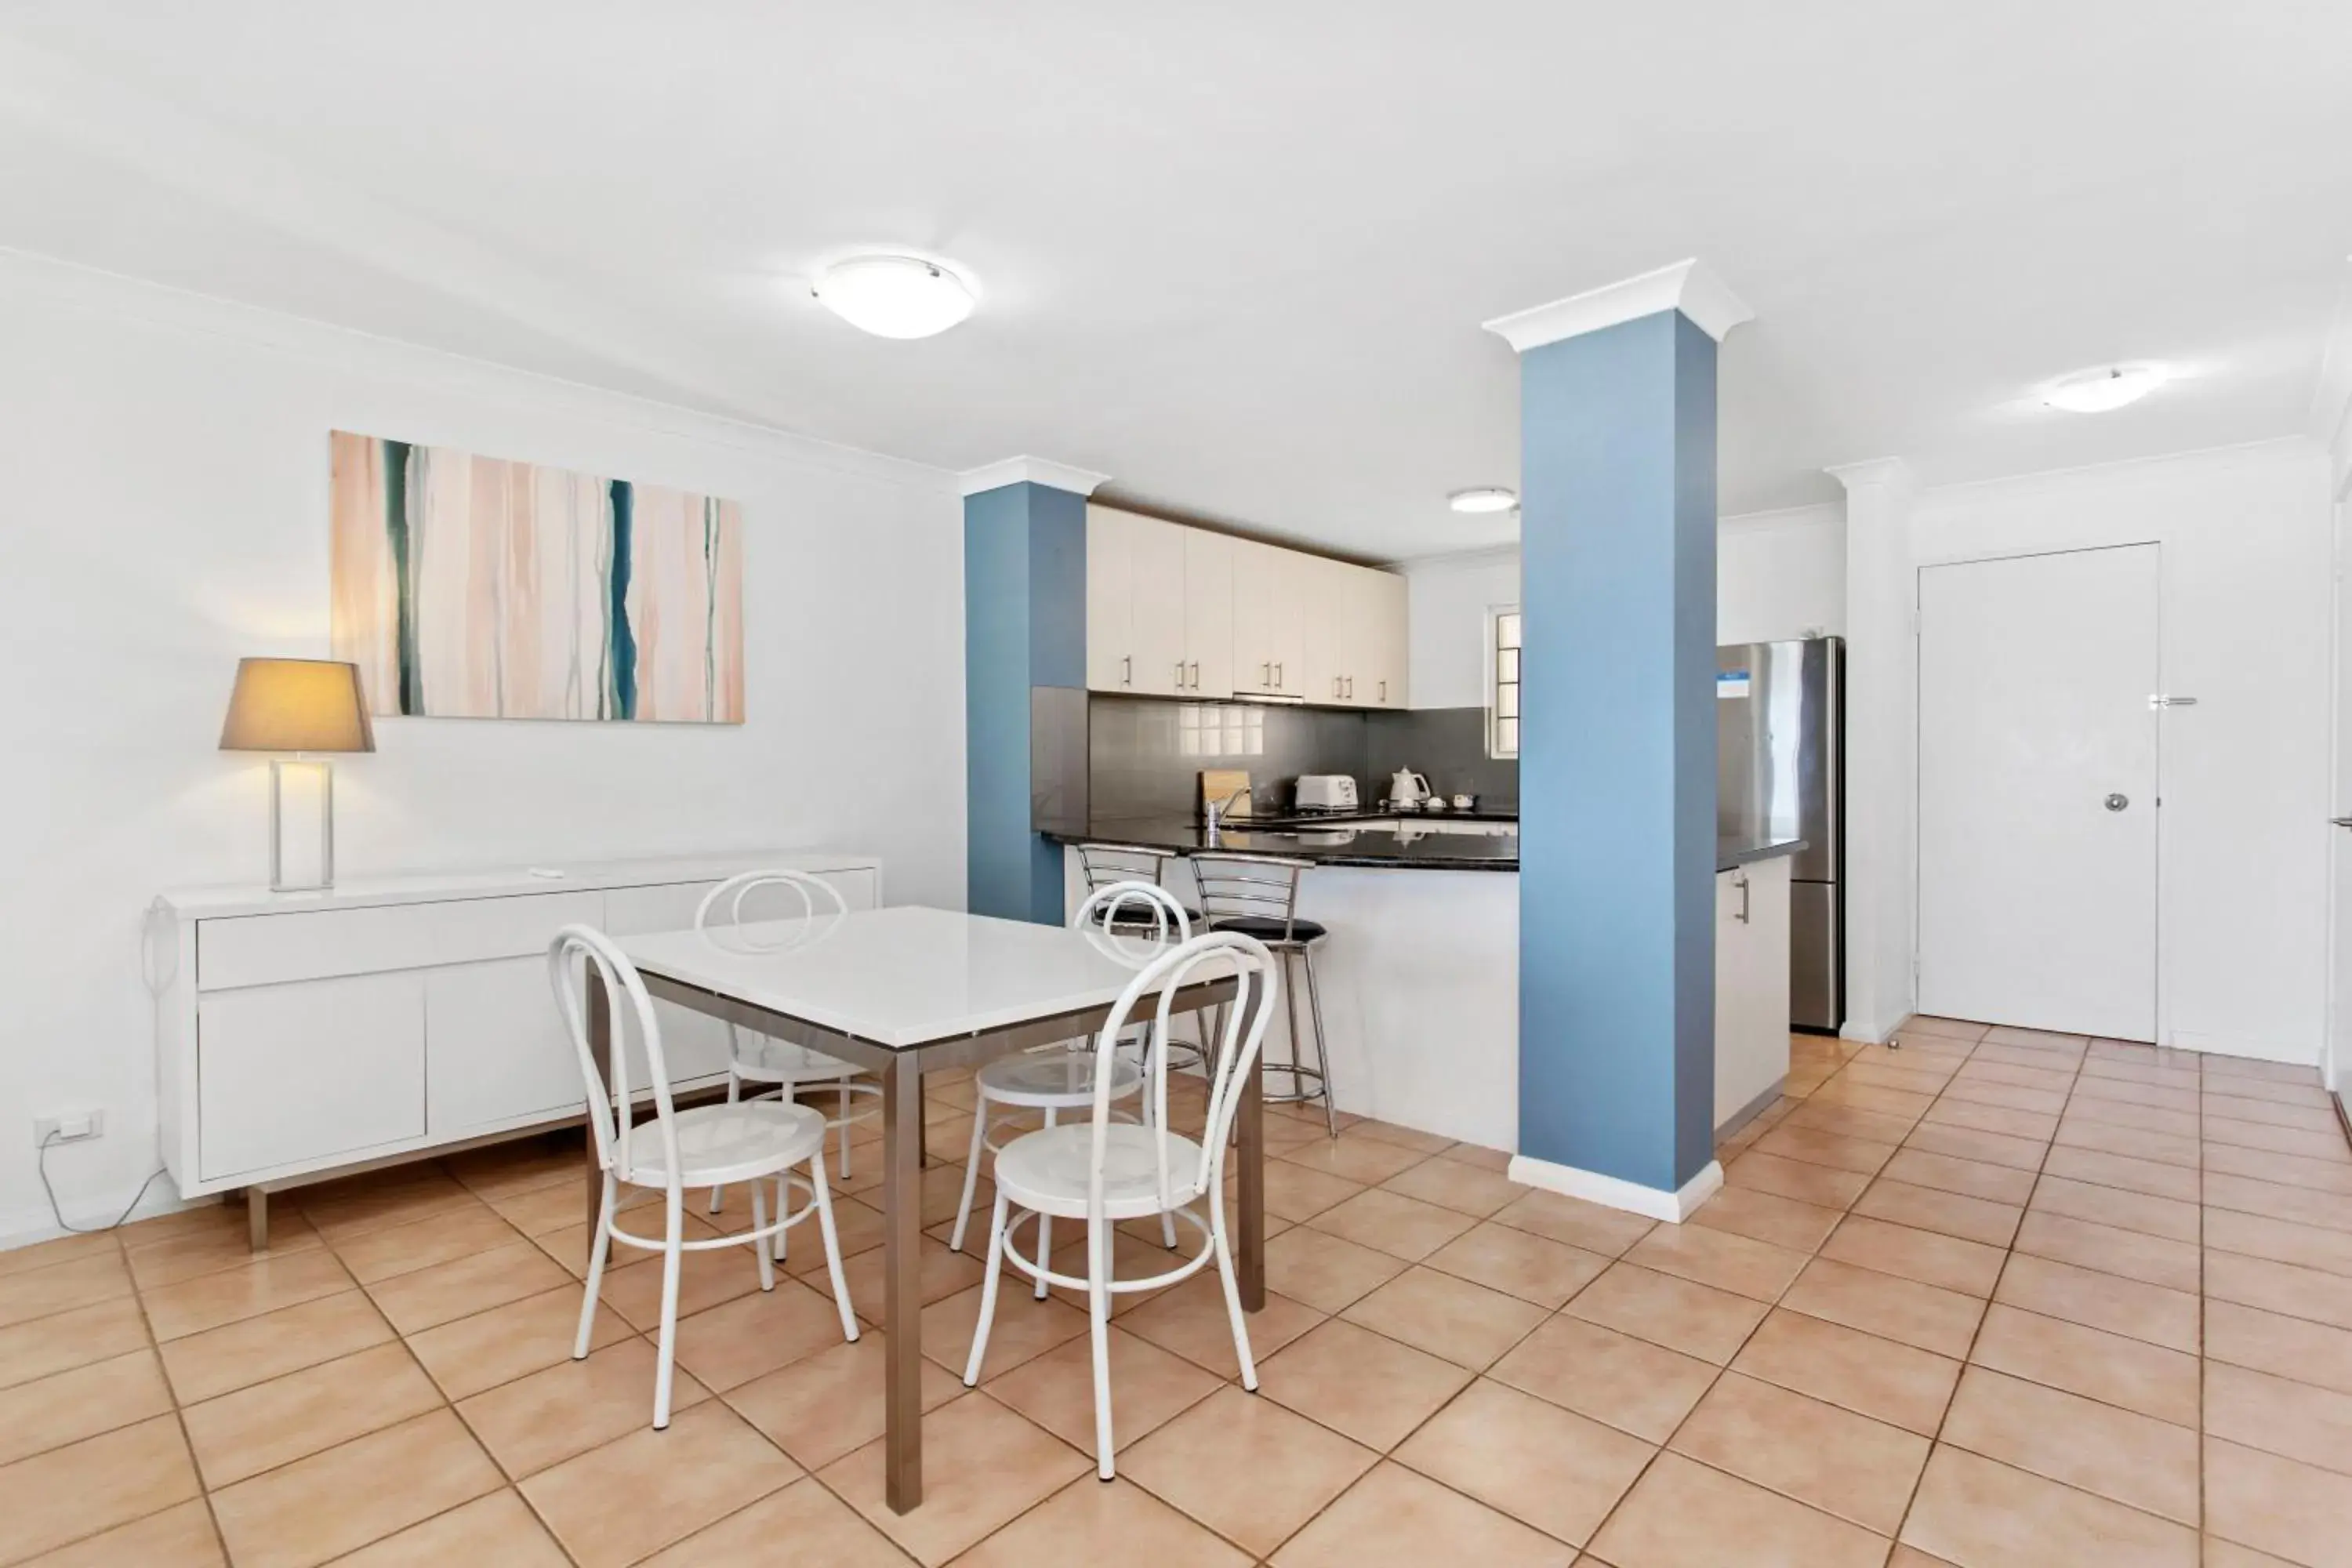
[[1144, 755], [1445, 745]]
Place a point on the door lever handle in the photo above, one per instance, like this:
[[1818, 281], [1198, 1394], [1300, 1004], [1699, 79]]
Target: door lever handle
[[2116, 802]]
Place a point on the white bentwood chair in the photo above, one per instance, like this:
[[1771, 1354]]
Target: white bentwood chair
[[1104, 1171], [1062, 1077], [783, 1066], [700, 1147]]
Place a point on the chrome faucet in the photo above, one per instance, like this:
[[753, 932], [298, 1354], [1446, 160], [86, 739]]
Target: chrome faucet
[[1218, 808]]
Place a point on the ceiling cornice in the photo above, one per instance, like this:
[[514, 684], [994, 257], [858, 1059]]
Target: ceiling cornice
[[1690, 287], [1031, 471], [1873, 473]]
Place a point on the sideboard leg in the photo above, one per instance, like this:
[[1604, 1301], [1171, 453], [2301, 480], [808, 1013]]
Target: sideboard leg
[[257, 1218]]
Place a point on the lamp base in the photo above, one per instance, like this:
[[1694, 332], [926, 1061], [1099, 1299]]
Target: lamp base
[[323, 774]]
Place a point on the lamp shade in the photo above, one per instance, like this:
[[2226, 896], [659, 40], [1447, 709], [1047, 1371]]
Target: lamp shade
[[297, 705]]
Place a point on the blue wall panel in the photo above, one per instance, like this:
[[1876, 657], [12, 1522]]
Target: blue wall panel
[[1617, 773], [1024, 586]]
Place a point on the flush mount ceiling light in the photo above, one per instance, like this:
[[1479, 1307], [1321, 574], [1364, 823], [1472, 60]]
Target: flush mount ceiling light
[[1482, 499], [2098, 391], [894, 296]]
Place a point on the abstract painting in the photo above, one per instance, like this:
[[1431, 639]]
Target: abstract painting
[[474, 587]]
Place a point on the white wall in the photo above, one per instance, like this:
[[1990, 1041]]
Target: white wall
[[1780, 575], [2331, 426], [166, 480], [1446, 601], [2243, 840], [2337, 1058]]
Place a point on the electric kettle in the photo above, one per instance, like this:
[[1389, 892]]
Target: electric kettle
[[1408, 790]]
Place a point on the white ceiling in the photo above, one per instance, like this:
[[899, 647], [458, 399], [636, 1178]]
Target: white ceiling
[[1236, 255]]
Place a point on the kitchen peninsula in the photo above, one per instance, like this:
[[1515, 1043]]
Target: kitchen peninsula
[[1420, 976]]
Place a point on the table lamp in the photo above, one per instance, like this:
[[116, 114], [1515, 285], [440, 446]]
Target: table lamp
[[299, 705]]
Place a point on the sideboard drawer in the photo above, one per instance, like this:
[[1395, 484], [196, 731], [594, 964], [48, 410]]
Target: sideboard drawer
[[471, 931], [309, 1072], [269, 950]]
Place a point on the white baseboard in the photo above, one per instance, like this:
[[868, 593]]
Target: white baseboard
[[1610, 1192], [26, 1227]]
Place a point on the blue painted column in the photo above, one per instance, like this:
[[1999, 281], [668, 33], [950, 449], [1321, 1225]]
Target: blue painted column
[[1024, 605], [1617, 759]]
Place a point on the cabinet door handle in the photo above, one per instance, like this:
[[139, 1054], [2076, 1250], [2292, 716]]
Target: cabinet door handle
[[1277, 676], [1351, 687], [1127, 669], [1179, 675], [1196, 675], [1742, 885], [1384, 691], [1266, 674]]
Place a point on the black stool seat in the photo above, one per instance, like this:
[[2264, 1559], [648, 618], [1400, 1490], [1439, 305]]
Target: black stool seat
[[1137, 916], [1265, 928]]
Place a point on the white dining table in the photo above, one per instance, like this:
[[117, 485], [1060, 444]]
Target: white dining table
[[900, 992]]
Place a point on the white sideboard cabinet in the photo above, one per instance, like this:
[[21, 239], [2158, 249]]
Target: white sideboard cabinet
[[301, 1034]]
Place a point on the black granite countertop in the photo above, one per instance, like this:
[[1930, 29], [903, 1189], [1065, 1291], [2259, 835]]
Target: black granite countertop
[[1412, 843]]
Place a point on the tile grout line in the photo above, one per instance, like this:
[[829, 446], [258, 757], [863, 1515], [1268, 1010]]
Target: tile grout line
[[1724, 1368], [1968, 1357], [1893, 1540], [179, 1411]]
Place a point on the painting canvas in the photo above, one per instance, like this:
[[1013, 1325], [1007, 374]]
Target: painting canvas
[[477, 587]]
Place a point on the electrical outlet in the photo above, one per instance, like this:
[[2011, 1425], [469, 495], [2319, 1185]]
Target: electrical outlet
[[68, 1127]]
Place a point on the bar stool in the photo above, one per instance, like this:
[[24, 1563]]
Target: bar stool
[[1109, 865], [1105, 864], [1257, 896]]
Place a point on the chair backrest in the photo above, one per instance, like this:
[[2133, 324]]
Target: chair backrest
[[578, 957], [1107, 865], [811, 891], [1259, 886], [1135, 908], [1215, 956]]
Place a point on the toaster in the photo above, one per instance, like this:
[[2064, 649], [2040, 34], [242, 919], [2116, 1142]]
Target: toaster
[[1325, 792]]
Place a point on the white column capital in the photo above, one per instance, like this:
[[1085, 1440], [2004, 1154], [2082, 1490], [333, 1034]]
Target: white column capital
[[1033, 471], [1875, 473], [1690, 287]]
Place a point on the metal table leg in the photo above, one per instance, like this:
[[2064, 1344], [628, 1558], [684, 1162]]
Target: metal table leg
[[1249, 1118], [600, 1046], [257, 1218], [902, 1269]]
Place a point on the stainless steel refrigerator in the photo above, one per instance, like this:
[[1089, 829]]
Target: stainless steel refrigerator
[[1779, 716]]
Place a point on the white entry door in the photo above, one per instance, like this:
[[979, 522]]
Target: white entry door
[[2037, 791]]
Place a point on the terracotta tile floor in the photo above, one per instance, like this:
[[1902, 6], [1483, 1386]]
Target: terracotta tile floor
[[1990, 1297]]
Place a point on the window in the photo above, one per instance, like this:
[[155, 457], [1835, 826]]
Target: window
[[1502, 682]]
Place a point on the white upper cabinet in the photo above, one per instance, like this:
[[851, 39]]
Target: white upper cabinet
[[1271, 590], [1354, 620], [1208, 613], [1155, 553], [1110, 603], [1330, 614], [1387, 645], [1159, 607], [1182, 612]]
